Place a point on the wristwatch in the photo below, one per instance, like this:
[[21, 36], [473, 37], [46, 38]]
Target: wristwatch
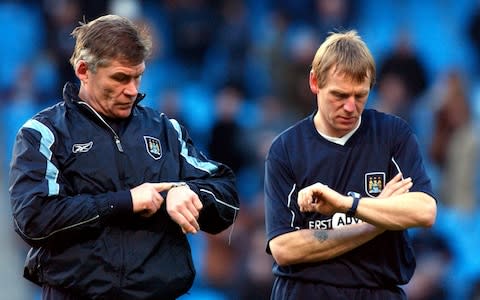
[[177, 184], [356, 198]]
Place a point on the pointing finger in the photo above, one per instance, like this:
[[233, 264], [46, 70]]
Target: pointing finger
[[162, 186]]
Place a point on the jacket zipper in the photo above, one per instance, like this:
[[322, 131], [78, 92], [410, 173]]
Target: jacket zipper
[[118, 143]]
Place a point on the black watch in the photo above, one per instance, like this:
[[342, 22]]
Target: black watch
[[356, 198]]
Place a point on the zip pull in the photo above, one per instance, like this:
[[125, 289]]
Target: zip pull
[[119, 144], [115, 136]]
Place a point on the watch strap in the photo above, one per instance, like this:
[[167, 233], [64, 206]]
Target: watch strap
[[356, 198]]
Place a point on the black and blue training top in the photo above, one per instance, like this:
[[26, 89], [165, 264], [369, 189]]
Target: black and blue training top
[[381, 147]]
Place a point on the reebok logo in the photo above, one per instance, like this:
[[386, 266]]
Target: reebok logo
[[82, 148]]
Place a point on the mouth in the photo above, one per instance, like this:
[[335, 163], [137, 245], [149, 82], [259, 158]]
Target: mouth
[[347, 120], [125, 105]]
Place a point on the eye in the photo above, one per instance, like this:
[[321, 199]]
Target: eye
[[121, 77], [361, 97], [339, 95]]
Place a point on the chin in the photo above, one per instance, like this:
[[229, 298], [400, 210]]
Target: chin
[[123, 114], [347, 126]]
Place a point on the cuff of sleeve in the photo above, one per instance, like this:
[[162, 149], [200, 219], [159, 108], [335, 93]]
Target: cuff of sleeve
[[119, 203], [193, 187]]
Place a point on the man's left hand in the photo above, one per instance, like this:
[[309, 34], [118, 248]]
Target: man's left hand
[[322, 199], [183, 206]]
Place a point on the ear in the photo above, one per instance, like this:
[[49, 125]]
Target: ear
[[312, 80], [81, 70]]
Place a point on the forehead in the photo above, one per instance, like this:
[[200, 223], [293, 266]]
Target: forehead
[[118, 66], [341, 79]]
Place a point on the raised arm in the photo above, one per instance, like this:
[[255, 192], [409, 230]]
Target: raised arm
[[43, 210], [209, 200], [396, 212], [311, 245]]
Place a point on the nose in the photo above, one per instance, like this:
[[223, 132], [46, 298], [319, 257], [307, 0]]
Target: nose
[[349, 104], [131, 88]]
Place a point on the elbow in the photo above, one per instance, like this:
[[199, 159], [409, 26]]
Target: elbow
[[29, 232], [430, 217], [429, 214], [280, 254], [25, 235]]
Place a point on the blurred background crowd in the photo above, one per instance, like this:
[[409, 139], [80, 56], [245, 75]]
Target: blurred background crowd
[[235, 73]]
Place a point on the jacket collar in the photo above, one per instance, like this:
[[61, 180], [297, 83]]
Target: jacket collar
[[70, 94]]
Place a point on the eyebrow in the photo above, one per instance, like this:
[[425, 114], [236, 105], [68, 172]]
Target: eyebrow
[[123, 74], [340, 93]]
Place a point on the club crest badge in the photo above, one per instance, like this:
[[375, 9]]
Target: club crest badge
[[154, 148], [374, 183]]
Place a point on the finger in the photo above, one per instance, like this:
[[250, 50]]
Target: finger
[[191, 214], [184, 223], [156, 204], [395, 179], [189, 228], [192, 210], [162, 186], [402, 183], [404, 189], [158, 200], [301, 200], [197, 203], [394, 185], [306, 200], [399, 188]]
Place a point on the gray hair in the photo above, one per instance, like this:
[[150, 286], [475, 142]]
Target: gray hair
[[110, 37]]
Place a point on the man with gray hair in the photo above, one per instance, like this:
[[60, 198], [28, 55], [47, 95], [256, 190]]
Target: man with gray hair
[[105, 190]]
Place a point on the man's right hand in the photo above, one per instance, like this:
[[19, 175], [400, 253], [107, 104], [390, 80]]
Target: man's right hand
[[396, 186], [146, 197]]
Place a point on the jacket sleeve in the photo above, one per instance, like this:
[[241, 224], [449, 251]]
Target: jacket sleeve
[[212, 181], [42, 211]]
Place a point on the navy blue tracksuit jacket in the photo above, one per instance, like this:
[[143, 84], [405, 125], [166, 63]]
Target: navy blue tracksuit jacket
[[70, 182]]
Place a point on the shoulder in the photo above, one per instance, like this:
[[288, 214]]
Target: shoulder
[[291, 137], [382, 117], [384, 122], [153, 118], [48, 119], [148, 114]]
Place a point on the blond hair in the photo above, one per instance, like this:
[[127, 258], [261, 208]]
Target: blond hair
[[348, 54]]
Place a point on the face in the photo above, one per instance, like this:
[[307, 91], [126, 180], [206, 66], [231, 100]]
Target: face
[[340, 103], [111, 90]]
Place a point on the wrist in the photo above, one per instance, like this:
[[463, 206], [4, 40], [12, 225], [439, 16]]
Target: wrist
[[351, 212], [178, 184]]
